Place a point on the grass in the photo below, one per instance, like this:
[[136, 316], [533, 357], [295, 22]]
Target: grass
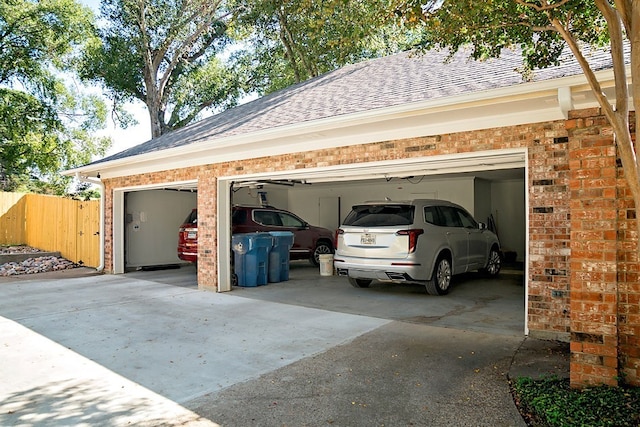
[[551, 402]]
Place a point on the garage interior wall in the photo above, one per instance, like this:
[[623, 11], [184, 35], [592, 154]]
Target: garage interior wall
[[509, 213], [482, 203], [152, 219], [482, 198]]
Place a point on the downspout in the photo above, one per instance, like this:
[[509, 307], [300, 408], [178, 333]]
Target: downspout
[[100, 184]]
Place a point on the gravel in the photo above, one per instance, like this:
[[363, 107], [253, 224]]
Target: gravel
[[37, 264], [19, 249]]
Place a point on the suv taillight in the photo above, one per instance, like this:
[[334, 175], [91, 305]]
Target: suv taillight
[[413, 237], [339, 231]]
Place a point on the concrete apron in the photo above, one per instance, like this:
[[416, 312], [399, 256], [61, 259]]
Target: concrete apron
[[115, 350]]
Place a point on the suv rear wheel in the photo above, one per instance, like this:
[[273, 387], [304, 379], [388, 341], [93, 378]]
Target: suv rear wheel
[[440, 278], [360, 283]]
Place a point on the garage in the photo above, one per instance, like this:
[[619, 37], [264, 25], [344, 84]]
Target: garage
[[486, 183], [489, 184], [397, 124], [401, 127], [404, 141]]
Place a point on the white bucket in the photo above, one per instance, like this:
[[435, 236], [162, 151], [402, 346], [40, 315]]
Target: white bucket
[[326, 264]]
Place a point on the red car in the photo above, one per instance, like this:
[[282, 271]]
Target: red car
[[188, 238], [309, 241]]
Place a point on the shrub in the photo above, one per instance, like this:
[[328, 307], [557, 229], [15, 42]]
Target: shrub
[[552, 402]]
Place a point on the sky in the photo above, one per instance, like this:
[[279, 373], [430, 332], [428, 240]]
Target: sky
[[133, 135]]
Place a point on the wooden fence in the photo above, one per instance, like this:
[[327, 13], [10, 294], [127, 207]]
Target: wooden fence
[[51, 223], [13, 218]]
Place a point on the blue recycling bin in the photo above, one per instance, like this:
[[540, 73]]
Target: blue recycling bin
[[279, 256], [251, 257]]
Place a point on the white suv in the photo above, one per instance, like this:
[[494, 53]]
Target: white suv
[[419, 241]]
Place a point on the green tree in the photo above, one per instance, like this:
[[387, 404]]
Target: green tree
[[542, 29], [45, 126], [164, 53], [289, 41]]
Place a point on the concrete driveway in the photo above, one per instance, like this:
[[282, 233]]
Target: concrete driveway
[[475, 302], [132, 349]]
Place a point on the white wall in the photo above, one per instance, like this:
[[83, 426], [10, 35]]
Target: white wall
[[304, 200], [508, 208], [152, 219], [502, 199]]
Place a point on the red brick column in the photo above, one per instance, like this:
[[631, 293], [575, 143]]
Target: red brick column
[[207, 234], [628, 285], [594, 288], [628, 281], [549, 237]]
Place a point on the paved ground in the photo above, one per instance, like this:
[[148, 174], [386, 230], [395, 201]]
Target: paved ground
[[474, 302], [134, 350]]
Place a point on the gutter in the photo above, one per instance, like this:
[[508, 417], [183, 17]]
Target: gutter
[[100, 184]]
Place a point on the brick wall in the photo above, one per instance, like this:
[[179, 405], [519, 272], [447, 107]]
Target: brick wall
[[604, 282], [628, 280], [594, 299], [628, 289], [568, 159], [549, 244], [207, 226], [628, 284]]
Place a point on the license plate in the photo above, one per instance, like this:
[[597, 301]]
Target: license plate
[[368, 239], [192, 234]]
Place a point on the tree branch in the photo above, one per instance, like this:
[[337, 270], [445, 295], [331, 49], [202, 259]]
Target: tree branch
[[625, 9], [544, 5], [205, 10], [617, 55], [575, 49], [287, 40], [189, 42]]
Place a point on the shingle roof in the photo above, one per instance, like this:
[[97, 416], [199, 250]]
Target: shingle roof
[[390, 81]]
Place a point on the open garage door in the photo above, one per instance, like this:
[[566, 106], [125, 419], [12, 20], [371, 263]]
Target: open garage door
[[489, 184], [146, 221]]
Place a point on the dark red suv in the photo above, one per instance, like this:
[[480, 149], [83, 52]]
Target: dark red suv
[[188, 238], [309, 241]]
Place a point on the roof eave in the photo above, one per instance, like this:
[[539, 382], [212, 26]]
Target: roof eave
[[400, 121]]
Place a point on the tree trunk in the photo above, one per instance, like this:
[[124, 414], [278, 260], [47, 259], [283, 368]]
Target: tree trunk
[[153, 98], [154, 116], [618, 117], [287, 40]]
